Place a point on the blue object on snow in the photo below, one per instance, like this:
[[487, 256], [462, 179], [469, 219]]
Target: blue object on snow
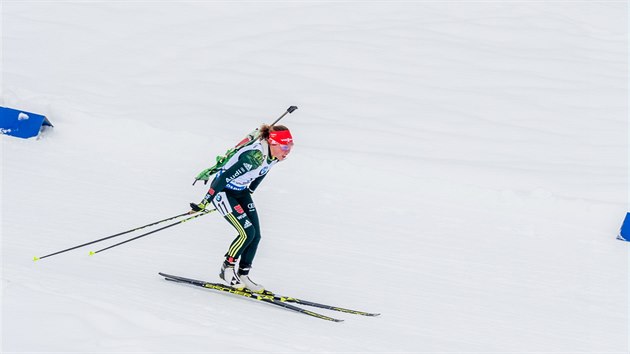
[[21, 124], [624, 233]]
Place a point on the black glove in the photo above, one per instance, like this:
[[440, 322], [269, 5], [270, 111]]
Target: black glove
[[206, 200], [197, 207]]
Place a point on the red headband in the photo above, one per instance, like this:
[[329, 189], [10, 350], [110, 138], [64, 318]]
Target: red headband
[[280, 137]]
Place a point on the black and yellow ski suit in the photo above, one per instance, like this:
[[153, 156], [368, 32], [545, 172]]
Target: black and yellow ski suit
[[230, 192]]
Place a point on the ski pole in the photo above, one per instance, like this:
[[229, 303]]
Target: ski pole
[[289, 110], [108, 237], [204, 212]]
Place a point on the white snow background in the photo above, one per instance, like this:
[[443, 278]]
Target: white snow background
[[460, 167]]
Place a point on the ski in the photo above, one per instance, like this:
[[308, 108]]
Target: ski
[[322, 306], [299, 301], [264, 297]]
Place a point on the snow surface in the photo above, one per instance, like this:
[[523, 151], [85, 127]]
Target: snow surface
[[460, 167]]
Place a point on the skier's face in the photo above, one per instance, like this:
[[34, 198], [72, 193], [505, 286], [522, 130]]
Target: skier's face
[[280, 152]]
